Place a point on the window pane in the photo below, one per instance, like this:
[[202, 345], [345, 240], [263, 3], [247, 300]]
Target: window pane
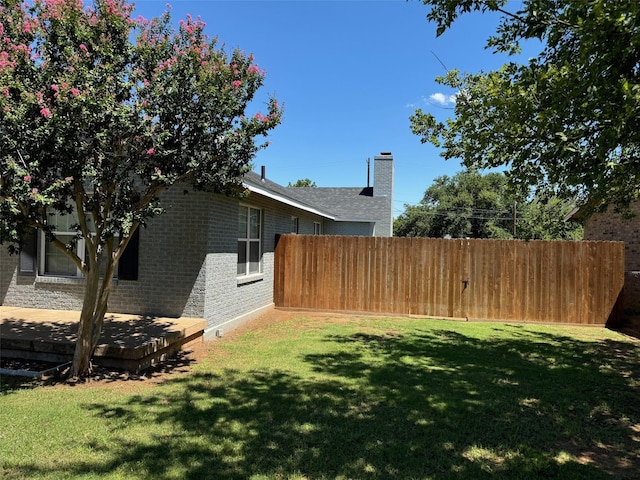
[[254, 223], [254, 257], [67, 223], [242, 258], [63, 223], [56, 262], [242, 222]]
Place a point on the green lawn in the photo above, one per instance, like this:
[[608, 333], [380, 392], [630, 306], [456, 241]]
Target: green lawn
[[350, 397]]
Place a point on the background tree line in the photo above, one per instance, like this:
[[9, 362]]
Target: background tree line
[[474, 205]]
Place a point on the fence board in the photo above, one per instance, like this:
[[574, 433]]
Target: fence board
[[538, 281]]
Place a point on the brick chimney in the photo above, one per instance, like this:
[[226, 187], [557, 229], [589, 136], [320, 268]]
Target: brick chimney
[[383, 187]]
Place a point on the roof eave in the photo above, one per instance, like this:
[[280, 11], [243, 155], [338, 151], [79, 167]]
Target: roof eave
[[260, 190]]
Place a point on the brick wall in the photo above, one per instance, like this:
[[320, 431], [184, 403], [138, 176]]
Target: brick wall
[[228, 301], [349, 228], [187, 264], [170, 277], [6, 266], [383, 187], [611, 226]]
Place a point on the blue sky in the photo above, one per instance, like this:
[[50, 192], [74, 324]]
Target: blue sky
[[350, 74]]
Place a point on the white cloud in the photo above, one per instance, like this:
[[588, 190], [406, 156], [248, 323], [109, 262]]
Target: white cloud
[[442, 99], [436, 99]]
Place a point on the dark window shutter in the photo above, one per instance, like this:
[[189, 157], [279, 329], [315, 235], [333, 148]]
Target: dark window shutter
[[128, 265], [29, 254]]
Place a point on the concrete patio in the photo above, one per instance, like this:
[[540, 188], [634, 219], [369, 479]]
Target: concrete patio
[[128, 342]]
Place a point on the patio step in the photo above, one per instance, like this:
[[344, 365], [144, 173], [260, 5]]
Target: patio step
[[128, 342]]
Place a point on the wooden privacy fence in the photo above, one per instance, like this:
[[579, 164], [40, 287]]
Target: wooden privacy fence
[[538, 281]]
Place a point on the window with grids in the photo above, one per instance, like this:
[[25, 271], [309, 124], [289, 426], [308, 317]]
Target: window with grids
[[53, 261], [249, 241]]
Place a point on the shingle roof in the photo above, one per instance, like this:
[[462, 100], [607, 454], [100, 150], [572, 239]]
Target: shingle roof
[[347, 203], [343, 203]]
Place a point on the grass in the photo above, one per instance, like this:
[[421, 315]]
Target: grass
[[350, 398]]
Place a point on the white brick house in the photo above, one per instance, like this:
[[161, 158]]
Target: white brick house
[[208, 256]]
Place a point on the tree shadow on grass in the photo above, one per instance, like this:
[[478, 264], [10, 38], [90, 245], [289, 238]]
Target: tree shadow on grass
[[435, 404]]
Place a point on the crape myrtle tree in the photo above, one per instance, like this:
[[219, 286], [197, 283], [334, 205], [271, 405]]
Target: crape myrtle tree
[[568, 120], [99, 113]]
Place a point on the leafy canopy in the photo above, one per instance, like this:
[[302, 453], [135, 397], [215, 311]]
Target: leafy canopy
[[568, 121], [302, 182], [99, 112], [474, 205]]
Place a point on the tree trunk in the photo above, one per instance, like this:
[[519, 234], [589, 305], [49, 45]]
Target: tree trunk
[[82, 356], [94, 308]]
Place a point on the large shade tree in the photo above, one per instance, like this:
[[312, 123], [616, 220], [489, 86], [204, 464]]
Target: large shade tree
[[99, 113], [567, 121], [475, 205], [468, 204]]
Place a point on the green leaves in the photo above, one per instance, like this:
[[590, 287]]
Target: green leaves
[[474, 205], [124, 107], [559, 120]]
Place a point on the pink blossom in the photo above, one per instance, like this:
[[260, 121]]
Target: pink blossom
[[151, 151], [4, 60], [27, 178], [75, 92], [55, 88], [6, 108], [236, 84], [45, 112], [253, 69], [5, 91]]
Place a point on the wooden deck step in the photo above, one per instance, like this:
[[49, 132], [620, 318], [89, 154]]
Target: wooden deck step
[[128, 342]]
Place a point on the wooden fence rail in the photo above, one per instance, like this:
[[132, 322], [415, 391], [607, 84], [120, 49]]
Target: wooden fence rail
[[537, 281]]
